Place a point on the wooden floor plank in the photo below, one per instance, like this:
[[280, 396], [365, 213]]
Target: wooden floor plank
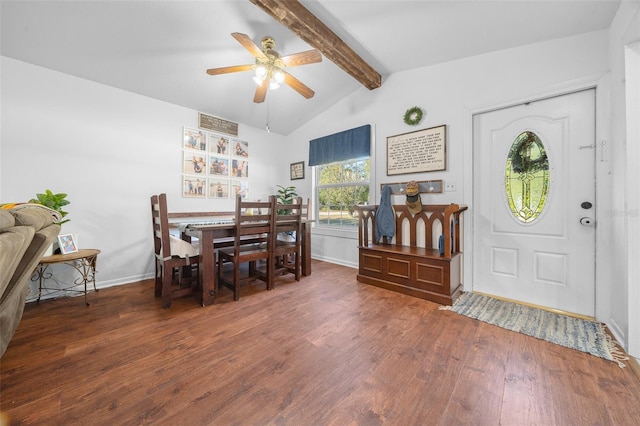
[[477, 397], [581, 404], [326, 350], [528, 397]]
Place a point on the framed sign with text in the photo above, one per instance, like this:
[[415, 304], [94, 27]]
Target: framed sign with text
[[417, 152], [216, 124]]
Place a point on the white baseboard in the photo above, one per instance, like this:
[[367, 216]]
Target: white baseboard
[[127, 280], [52, 294], [617, 333], [336, 261], [135, 278]]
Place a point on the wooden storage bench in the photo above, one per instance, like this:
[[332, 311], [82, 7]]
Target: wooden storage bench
[[412, 263]]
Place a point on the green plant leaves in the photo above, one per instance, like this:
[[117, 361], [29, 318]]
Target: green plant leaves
[[53, 201], [285, 196]]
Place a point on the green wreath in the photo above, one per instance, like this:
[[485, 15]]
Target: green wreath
[[520, 154], [413, 116]]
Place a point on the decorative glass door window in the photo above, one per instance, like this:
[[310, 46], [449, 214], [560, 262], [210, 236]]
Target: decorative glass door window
[[527, 177]]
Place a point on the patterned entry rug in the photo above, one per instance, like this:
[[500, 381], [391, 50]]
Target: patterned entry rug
[[575, 333]]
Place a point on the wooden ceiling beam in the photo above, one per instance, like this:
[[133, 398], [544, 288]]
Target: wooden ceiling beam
[[293, 15]]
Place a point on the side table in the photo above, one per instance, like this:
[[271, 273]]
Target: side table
[[83, 261]]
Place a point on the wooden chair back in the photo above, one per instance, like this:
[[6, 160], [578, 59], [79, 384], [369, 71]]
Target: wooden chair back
[[287, 254], [289, 216], [176, 274], [160, 223], [254, 231], [305, 208], [253, 221]]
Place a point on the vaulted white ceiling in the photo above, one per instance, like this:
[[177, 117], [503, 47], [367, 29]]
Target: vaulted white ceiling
[[161, 49]]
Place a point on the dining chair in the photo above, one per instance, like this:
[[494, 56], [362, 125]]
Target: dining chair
[[176, 261], [253, 233], [305, 214], [287, 247], [306, 210]]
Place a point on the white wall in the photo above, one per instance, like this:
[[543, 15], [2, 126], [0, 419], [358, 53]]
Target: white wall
[[109, 150], [449, 94]]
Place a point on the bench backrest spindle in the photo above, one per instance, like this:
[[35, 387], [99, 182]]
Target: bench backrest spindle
[[436, 225]]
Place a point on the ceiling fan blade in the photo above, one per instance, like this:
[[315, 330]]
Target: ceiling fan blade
[[226, 70], [302, 58], [298, 86], [261, 92], [248, 44]]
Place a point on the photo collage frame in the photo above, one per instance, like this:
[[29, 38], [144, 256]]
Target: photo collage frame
[[214, 165]]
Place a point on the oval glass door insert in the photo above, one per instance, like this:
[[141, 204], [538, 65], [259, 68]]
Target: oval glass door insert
[[527, 177]]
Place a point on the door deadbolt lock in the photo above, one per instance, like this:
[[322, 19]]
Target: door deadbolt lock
[[586, 205]]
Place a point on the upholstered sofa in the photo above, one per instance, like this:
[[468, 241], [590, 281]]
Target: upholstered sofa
[[26, 231]]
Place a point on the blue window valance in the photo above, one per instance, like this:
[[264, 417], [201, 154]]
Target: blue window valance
[[352, 143]]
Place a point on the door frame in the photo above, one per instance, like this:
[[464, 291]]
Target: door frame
[[602, 176], [632, 63]]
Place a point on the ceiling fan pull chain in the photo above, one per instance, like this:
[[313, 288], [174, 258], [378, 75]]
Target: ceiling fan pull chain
[[268, 130]]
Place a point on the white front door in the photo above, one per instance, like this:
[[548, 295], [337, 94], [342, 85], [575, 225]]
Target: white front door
[[534, 216]]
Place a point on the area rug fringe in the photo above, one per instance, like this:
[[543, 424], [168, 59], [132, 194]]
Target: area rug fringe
[[616, 352], [575, 333]]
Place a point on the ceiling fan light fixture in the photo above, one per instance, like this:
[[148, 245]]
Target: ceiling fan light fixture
[[258, 80], [278, 76], [261, 71], [269, 66], [273, 85]]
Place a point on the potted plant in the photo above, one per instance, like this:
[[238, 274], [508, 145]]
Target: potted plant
[[53, 201], [285, 195]]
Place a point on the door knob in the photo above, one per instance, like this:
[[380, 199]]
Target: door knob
[[586, 221]]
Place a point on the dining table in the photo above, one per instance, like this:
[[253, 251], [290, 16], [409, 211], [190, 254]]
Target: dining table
[[212, 235]]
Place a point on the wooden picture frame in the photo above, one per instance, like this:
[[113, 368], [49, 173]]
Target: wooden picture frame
[[239, 168], [218, 188], [194, 162], [239, 187], [217, 124], [67, 244], [194, 186], [417, 152], [194, 139], [297, 170], [239, 148]]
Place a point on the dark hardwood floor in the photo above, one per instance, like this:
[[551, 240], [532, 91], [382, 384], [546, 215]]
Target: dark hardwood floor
[[326, 350]]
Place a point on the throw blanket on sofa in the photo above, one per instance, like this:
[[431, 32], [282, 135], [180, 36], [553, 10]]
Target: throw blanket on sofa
[[57, 217]]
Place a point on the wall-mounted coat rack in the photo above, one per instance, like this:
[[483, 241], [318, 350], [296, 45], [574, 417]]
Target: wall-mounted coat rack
[[424, 186]]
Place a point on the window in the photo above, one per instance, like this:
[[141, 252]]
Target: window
[[527, 177], [340, 186], [341, 163]]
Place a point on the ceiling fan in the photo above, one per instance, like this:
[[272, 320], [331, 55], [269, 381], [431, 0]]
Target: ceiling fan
[[269, 66]]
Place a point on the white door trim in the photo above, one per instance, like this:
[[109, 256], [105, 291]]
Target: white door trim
[[632, 60]]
